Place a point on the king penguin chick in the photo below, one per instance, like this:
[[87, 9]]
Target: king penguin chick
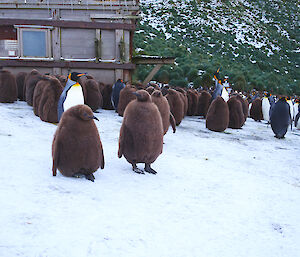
[[72, 94], [77, 149], [280, 118], [141, 134]]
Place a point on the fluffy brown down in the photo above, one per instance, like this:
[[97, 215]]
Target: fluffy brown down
[[176, 105], [20, 79], [184, 98], [192, 102], [106, 95], [76, 145], [164, 109], [37, 94], [92, 97], [245, 106], [49, 101], [126, 96], [203, 103], [141, 134], [256, 110], [30, 83], [150, 89], [217, 118], [62, 79], [236, 115], [8, 87]]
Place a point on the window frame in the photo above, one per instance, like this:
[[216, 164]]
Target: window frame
[[33, 28]]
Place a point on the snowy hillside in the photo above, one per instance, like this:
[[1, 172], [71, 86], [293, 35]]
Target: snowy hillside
[[232, 194], [256, 40]]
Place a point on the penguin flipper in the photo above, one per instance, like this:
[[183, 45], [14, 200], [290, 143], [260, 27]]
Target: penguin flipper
[[55, 156], [172, 122], [297, 118], [121, 142], [102, 157]]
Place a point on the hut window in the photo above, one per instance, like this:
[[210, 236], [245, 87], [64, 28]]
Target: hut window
[[34, 42], [8, 41]]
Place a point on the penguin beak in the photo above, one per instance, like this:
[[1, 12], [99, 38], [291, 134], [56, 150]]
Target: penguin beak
[[92, 117], [95, 118], [82, 74]]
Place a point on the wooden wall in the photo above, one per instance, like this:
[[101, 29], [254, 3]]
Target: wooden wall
[[70, 42]]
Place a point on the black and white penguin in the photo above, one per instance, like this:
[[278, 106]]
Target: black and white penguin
[[289, 101], [296, 108], [116, 89], [297, 123], [220, 90], [280, 118], [265, 106], [72, 94]]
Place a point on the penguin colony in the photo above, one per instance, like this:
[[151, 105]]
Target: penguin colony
[[147, 114]]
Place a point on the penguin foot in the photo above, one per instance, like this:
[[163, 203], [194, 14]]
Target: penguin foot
[[90, 177], [149, 169], [137, 170]]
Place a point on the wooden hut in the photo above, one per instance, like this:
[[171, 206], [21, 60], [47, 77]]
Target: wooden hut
[[59, 36]]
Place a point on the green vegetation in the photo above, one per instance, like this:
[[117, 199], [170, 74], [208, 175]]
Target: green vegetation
[[255, 43]]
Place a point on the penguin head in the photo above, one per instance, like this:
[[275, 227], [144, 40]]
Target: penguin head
[[142, 95], [84, 112], [156, 93], [75, 76]]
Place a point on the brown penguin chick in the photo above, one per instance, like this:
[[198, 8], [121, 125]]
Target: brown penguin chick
[[256, 110], [30, 83], [126, 96], [236, 115], [164, 109], [217, 118], [203, 103], [192, 103], [77, 148], [92, 96], [106, 95], [37, 94], [184, 98], [245, 106], [8, 87], [48, 103], [62, 79], [20, 79], [150, 89], [141, 134], [176, 105], [165, 90], [101, 88]]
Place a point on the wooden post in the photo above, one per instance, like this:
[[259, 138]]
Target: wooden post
[[152, 74], [56, 41]]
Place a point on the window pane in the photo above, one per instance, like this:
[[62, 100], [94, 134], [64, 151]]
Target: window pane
[[34, 43]]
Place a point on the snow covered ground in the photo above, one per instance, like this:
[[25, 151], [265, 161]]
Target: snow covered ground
[[216, 194]]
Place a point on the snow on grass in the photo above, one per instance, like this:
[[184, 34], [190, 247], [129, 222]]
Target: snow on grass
[[216, 194]]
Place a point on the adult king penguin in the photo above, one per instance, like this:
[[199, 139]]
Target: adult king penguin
[[280, 118], [72, 94], [220, 90], [297, 123], [265, 105]]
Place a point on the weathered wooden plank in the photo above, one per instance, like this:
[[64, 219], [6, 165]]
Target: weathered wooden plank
[[108, 50], [153, 60], [64, 64], [68, 24], [78, 44]]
